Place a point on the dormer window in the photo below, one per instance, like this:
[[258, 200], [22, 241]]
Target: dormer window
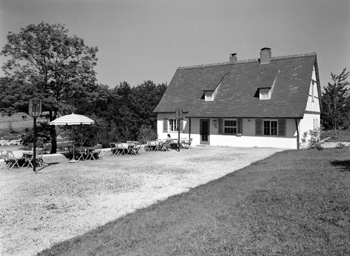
[[208, 96], [264, 93]]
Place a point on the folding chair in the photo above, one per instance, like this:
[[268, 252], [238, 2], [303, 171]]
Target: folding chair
[[137, 147], [122, 148], [166, 145], [82, 154], [148, 146], [114, 149], [186, 143], [39, 157], [14, 159], [29, 158], [95, 153]]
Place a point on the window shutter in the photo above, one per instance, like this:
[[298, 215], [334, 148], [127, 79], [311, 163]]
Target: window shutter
[[239, 124], [282, 127], [165, 125], [181, 125], [220, 125], [258, 126]]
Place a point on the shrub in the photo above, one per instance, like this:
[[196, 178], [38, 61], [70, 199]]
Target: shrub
[[311, 139], [340, 145], [146, 133]]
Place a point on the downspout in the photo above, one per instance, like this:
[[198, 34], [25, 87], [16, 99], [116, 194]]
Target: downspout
[[298, 136]]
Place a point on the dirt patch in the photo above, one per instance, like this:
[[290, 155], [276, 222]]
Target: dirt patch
[[65, 200]]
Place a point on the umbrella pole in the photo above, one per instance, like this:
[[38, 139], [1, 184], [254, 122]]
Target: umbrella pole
[[73, 159]]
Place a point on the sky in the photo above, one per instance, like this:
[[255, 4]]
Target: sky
[[141, 40]]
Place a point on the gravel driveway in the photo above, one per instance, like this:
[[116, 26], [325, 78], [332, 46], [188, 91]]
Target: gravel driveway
[[64, 200]]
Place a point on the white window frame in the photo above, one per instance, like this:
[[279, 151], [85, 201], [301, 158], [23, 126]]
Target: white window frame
[[173, 125], [234, 127], [270, 127]]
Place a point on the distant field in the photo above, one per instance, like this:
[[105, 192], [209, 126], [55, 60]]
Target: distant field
[[10, 148]]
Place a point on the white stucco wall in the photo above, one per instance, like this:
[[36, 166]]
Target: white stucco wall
[[309, 122], [313, 102]]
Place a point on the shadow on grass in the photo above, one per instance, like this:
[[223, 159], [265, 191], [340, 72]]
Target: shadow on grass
[[47, 165], [344, 164]]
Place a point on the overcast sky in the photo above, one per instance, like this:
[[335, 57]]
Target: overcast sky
[[142, 40]]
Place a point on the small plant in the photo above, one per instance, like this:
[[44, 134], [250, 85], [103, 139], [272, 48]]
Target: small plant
[[340, 145]]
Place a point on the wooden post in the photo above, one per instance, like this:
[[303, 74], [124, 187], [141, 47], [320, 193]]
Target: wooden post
[[178, 118], [34, 147]]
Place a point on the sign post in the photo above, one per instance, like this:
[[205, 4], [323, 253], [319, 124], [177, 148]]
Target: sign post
[[178, 115], [35, 109]]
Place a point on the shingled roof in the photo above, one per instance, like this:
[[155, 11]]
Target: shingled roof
[[238, 85]]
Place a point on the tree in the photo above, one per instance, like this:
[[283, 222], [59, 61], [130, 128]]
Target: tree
[[57, 68], [335, 101]]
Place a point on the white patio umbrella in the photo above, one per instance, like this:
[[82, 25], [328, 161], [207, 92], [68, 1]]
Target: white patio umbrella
[[72, 119]]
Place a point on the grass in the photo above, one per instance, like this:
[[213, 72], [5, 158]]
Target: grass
[[293, 203], [340, 136]]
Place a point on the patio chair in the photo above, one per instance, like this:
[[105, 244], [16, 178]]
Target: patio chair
[[122, 148], [29, 158], [134, 147], [81, 153], [15, 158], [148, 146], [166, 145], [114, 149], [186, 143], [152, 146], [137, 147], [95, 153]]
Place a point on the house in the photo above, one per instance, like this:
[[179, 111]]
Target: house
[[264, 102]]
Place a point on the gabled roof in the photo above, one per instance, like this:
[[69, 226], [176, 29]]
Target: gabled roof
[[239, 83]]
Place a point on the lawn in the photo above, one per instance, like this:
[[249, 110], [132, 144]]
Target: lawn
[[292, 203], [65, 200], [340, 135]]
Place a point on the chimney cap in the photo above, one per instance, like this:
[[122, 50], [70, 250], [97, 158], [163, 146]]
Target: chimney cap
[[233, 57], [266, 49]]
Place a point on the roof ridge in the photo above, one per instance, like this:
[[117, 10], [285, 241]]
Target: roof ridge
[[248, 60]]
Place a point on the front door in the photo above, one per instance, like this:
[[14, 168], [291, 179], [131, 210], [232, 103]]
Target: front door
[[204, 131]]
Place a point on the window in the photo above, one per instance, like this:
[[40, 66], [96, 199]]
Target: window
[[264, 94], [209, 96], [230, 126], [270, 127], [173, 125]]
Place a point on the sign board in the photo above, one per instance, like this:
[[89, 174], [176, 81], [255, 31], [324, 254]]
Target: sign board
[[35, 107], [178, 114]]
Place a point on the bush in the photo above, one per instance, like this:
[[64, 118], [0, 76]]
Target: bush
[[311, 139], [146, 133]]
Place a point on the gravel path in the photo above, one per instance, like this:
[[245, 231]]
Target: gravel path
[[64, 200]]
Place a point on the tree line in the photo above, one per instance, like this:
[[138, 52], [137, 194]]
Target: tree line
[[45, 62], [335, 101]]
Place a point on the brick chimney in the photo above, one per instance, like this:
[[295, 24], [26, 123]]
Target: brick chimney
[[233, 57], [265, 55]]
